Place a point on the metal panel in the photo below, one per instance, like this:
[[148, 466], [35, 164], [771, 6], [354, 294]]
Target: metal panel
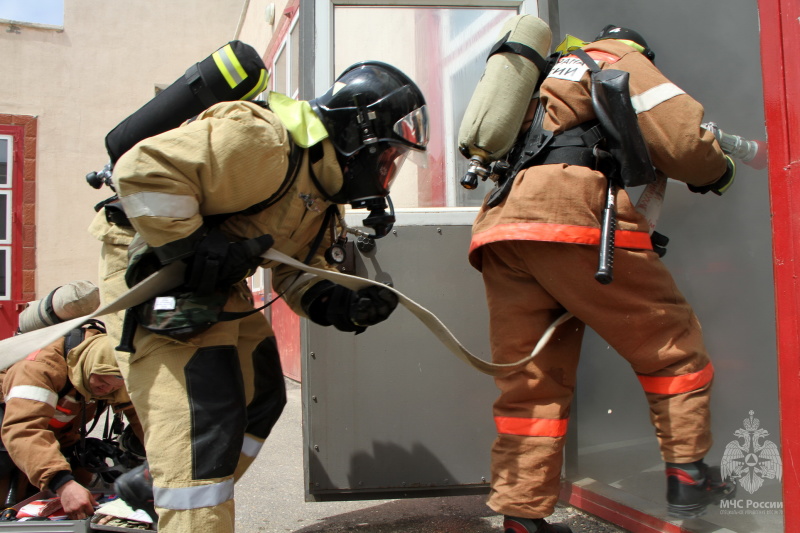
[[390, 410]]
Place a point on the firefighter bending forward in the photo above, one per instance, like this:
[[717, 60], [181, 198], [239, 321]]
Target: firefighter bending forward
[[216, 193], [538, 250], [47, 398]]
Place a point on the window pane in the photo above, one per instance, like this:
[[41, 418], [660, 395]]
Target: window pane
[[5, 254], [279, 73], [5, 168], [5, 201], [294, 52], [444, 51]]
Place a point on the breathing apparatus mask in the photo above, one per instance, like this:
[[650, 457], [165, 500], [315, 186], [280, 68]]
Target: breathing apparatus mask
[[376, 118]]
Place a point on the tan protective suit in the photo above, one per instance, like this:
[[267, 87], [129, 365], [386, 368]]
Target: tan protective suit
[[538, 253], [209, 403], [44, 412]]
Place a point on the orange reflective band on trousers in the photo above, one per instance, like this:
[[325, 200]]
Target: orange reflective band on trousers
[[677, 384], [531, 427], [543, 231]]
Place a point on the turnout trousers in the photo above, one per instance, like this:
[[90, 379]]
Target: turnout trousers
[[641, 314], [207, 405]]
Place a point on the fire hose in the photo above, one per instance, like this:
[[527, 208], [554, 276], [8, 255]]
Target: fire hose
[[18, 347]]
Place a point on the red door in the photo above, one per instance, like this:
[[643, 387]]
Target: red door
[[12, 138]]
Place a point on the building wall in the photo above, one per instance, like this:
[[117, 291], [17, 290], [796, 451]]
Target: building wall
[[260, 21], [80, 81]]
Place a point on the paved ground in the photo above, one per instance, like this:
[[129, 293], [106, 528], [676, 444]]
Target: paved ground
[[270, 499]]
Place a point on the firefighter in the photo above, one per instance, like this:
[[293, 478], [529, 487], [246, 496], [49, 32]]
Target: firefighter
[[537, 249], [216, 193], [48, 398]]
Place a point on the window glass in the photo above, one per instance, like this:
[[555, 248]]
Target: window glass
[[5, 255], [5, 158], [5, 215], [279, 73], [444, 51], [294, 59]]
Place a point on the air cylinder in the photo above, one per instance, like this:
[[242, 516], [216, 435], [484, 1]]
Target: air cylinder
[[497, 108], [234, 72], [76, 299]]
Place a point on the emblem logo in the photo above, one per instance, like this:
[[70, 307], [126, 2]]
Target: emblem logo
[[751, 460]]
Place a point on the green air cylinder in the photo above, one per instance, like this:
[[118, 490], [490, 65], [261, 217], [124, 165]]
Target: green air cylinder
[[497, 108], [234, 72]]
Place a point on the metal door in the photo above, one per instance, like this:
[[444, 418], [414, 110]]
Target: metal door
[[389, 412]]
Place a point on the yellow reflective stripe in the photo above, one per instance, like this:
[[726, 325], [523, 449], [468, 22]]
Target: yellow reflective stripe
[[636, 46], [260, 87], [229, 66]]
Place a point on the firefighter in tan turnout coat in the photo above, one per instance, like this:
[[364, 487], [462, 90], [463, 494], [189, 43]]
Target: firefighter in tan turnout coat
[[538, 249], [48, 397], [216, 193]]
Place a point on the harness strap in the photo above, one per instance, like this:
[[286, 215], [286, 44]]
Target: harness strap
[[520, 49], [326, 222]]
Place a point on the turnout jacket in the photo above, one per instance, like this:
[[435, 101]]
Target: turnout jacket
[[232, 156], [44, 413], [564, 203]]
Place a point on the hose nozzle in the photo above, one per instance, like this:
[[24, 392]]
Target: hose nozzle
[[751, 153]]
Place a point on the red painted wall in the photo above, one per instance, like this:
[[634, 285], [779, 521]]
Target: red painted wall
[[780, 39]]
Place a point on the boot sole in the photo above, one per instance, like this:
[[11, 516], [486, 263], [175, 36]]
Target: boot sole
[[696, 510]]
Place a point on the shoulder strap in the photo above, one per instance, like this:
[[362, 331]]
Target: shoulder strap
[[295, 157], [581, 54], [73, 339]]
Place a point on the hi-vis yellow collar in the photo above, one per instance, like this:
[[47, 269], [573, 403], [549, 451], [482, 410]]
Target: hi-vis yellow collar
[[303, 124], [571, 43]]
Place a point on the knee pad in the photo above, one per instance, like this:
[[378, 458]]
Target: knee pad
[[215, 389]]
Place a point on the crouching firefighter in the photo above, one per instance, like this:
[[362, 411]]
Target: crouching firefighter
[[606, 119], [216, 193], [51, 400]]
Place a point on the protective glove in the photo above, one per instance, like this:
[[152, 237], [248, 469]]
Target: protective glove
[[720, 186], [218, 263], [329, 304]]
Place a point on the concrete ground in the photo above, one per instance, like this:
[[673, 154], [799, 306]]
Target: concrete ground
[[270, 498]]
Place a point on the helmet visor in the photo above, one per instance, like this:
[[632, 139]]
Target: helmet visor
[[389, 163], [413, 128]]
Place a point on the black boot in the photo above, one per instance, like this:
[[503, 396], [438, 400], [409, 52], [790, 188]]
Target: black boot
[[532, 525], [135, 487], [691, 487]]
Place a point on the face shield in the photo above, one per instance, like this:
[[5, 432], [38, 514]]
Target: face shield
[[372, 170]]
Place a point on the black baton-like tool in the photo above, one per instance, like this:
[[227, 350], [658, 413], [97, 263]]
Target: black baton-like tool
[[605, 268]]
